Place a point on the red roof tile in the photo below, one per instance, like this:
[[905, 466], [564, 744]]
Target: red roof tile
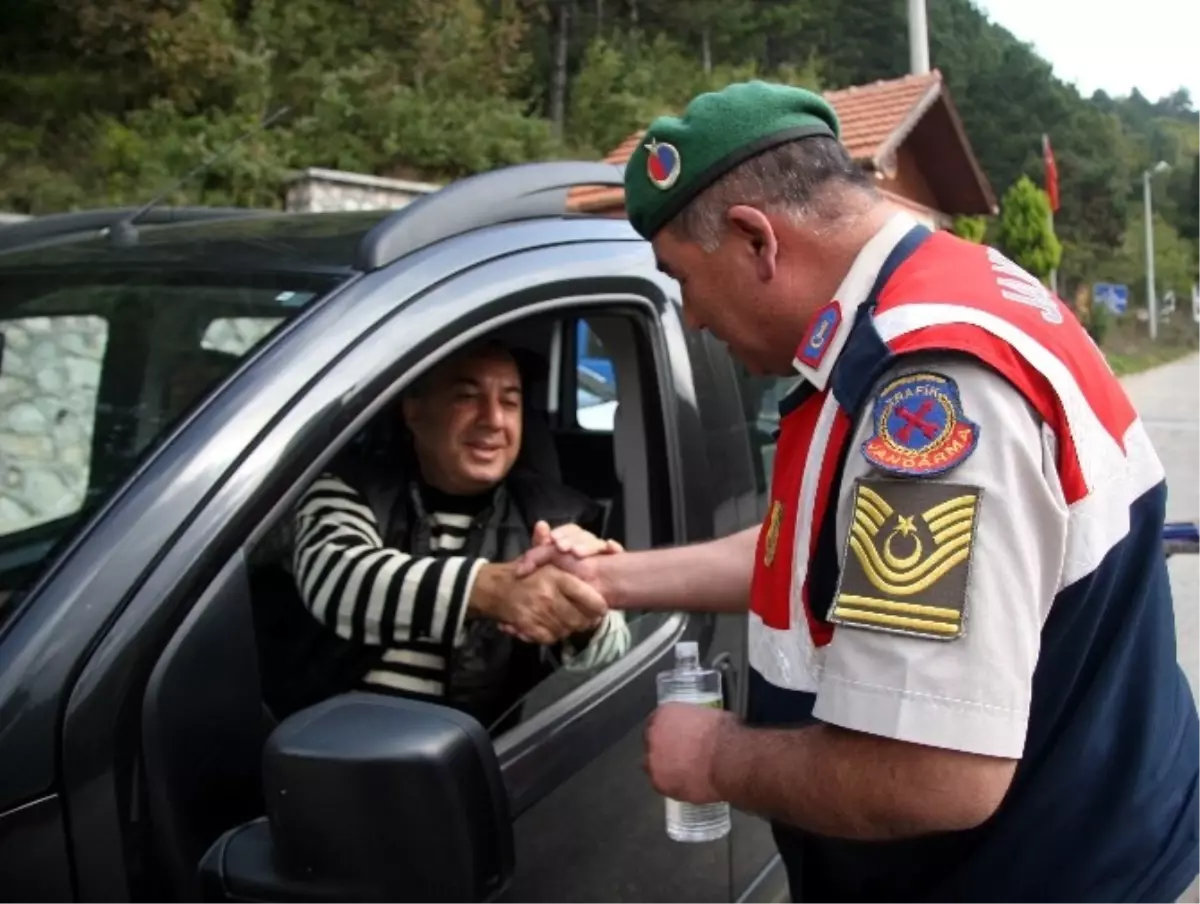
[[874, 118]]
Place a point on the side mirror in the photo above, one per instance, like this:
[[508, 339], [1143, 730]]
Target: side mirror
[[371, 798]]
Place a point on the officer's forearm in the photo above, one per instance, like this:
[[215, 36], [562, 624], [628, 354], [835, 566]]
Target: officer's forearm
[[704, 577], [846, 784]]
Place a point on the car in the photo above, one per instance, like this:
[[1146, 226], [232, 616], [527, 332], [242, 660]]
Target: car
[[170, 381]]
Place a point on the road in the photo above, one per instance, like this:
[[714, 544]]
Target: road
[[1168, 399]]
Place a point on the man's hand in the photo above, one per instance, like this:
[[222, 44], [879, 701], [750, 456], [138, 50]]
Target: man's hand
[[567, 548], [681, 744], [568, 539], [541, 608]]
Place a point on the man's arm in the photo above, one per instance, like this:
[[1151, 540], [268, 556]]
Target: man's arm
[[365, 591], [702, 577], [369, 593], [847, 784]]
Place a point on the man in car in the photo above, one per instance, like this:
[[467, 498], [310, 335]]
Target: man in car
[[963, 679], [408, 560]]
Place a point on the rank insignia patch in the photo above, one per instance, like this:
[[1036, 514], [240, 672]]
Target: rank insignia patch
[[919, 427], [662, 164], [773, 532], [907, 558]]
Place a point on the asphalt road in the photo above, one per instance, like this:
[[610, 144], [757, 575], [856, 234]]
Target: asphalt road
[[1168, 399]]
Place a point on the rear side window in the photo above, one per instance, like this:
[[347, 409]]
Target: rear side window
[[595, 382], [95, 371], [49, 389]]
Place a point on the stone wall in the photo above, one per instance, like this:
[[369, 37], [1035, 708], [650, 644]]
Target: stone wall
[[317, 189], [49, 384], [49, 378]]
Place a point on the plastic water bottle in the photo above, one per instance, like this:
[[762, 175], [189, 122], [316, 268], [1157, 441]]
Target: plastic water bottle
[[689, 683]]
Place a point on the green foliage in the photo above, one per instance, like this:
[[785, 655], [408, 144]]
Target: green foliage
[[1099, 318], [109, 101], [973, 229], [1024, 232], [1189, 209], [624, 83]]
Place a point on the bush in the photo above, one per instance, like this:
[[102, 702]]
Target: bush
[[1099, 319], [973, 229]]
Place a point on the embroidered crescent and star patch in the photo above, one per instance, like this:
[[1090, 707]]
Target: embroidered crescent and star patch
[[919, 427], [907, 558], [662, 164], [819, 336]]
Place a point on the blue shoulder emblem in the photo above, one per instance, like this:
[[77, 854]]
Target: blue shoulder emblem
[[919, 427]]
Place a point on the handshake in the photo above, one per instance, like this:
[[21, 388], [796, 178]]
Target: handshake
[[552, 592]]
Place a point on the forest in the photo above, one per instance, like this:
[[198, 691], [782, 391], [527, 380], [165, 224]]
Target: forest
[[106, 102]]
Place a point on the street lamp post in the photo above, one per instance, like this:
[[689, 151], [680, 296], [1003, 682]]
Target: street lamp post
[[1151, 300]]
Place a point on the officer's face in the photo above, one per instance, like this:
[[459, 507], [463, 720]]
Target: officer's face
[[466, 423], [734, 292]]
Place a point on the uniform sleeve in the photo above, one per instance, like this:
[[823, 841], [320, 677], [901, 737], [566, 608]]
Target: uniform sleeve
[[365, 591], [946, 578]]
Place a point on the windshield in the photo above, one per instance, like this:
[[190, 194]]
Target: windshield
[[94, 372]]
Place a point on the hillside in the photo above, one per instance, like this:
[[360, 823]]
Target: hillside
[[104, 101]]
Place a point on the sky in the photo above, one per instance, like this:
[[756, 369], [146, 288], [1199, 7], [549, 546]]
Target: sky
[[1150, 44]]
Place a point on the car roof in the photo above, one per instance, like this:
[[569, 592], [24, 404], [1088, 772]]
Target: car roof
[[317, 242], [335, 242]]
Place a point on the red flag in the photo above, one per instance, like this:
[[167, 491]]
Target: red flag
[[1051, 172]]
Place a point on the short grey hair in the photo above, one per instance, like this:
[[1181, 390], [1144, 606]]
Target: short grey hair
[[799, 178]]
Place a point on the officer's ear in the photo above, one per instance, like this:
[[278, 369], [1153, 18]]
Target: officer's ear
[[753, 228]]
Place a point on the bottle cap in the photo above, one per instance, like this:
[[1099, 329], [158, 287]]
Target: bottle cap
[[687, 652]]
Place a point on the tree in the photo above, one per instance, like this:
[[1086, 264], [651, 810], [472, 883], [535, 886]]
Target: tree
[[1189, 221], [973, 229], [1024, 232]]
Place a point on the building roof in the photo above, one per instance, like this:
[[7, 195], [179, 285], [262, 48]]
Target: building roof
[[876, 120]]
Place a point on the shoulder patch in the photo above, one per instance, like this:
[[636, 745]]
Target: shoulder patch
[[907, 558], [919, 427]]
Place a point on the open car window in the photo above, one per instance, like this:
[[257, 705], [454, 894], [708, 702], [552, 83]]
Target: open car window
[[95, 370]]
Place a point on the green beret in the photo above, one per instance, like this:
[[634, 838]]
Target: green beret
[[680, 157]]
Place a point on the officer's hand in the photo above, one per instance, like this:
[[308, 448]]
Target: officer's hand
[[681, 745], [543, 607], [567, 540]]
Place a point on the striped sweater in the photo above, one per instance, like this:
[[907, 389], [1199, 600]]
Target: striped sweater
[[414, 607]]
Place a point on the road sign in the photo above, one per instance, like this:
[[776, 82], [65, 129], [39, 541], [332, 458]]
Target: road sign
[[1113, 296]]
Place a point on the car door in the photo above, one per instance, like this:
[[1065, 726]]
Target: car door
[[586, 821]]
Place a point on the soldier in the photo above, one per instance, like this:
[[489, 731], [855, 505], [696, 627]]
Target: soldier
[[963, 678]]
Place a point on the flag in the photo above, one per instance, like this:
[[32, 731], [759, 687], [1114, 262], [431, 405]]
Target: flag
[[1051, 172]]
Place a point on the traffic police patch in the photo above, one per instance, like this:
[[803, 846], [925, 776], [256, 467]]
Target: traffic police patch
[[920, 429], [820, 335], [907, 558], [663, 164]]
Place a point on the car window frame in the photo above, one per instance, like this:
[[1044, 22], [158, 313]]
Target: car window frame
[[350, 391]]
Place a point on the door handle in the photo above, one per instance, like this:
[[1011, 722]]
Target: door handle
[[723, 664]]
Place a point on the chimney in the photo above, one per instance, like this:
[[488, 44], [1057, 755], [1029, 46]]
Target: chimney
[[918, 38]]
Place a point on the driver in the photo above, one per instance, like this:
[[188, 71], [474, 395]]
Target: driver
[[410, 564]]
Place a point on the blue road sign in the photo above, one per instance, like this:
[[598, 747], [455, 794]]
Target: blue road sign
[[1113, 296]]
